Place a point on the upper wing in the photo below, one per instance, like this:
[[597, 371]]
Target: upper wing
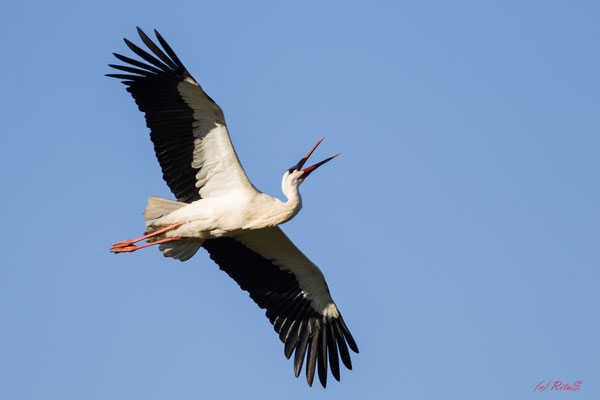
[[187, 127], [281, 279]]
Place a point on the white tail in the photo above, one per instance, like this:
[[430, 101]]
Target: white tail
[[159, 207]]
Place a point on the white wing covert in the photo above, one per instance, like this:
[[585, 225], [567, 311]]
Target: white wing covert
[[187, 127]]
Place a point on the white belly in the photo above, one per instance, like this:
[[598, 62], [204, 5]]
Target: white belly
[[224, 216]]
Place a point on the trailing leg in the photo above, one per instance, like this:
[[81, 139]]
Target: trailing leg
[[130, 248], [127, 243]]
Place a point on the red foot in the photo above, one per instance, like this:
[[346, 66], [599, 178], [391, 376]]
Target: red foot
[[124, 243], [124, 249], [128, 249], [128, 243]]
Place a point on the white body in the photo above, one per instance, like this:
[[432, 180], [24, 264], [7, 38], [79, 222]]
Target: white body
[[231, 213]]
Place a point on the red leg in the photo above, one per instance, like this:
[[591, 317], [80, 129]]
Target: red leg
[[126, 243], [128, 249]]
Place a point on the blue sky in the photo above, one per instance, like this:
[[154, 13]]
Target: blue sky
[[458, 230]]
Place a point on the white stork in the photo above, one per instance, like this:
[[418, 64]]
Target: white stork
[[219, 209]]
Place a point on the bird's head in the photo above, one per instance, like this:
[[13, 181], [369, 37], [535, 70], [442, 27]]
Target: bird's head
[[296, 175]]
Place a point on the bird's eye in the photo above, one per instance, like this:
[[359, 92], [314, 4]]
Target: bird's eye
[[292, 169]]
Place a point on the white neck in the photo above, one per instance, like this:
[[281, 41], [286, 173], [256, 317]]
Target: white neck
[[292, 206], [294, 200], [275, 211], [292, 194]]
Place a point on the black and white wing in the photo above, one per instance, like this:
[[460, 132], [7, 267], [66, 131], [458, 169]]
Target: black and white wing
[[281, 279], [186, 126]]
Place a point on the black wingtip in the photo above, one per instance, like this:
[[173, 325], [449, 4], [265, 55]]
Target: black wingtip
[[141, 33], [347, 335], [342, 348], [128, 43], [322, 355], [119, 76], [311, 358], [301, 347], [334, 362], [169, 50]]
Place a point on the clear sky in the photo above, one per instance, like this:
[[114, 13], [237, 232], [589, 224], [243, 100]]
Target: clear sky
[[458, 231]]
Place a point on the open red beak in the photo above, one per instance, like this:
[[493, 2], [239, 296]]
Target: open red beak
[[310, 169]]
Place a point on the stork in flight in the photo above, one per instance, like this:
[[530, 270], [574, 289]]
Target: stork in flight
[[219, 209]]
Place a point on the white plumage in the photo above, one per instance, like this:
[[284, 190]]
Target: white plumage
[[219, 209]]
